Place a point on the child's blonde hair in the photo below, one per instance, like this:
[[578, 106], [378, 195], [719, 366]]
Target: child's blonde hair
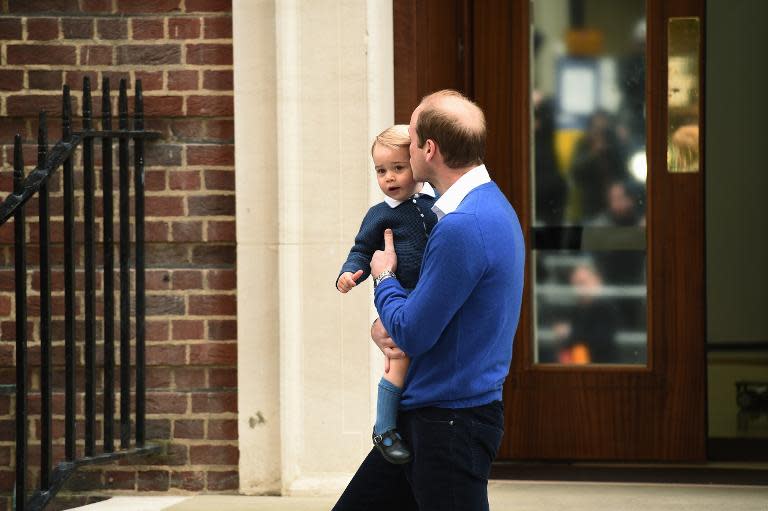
[[393, 137]]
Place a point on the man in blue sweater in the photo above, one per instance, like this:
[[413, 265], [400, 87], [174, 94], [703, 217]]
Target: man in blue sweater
[[457, 325]]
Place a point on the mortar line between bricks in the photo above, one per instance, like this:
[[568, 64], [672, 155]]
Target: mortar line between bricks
[[183, 57], [118, 15], [111, 68], [104, 67], [154, 93]]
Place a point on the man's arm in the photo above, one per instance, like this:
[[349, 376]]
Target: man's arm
[[385, 260], [454, 263], [385, 343]]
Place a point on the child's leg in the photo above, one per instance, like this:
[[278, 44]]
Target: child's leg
[[390, 390], [398, 369]]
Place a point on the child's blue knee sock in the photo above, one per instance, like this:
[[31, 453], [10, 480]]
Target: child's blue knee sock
[[386, 406]]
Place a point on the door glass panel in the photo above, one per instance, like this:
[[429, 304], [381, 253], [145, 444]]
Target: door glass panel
[[589, 181]]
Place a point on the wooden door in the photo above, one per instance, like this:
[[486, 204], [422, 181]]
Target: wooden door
[[654, 410], [431, 39]]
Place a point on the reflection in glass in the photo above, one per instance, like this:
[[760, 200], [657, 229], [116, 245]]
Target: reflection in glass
[[591, 307], [589, 171], [683, 95]]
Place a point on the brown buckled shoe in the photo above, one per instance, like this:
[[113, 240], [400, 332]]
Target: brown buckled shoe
[[392, 446]]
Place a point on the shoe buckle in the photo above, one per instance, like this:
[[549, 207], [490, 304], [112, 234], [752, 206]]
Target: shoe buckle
[[377, 439]]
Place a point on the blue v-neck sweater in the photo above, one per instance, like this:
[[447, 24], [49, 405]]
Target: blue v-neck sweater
[[458, 324]]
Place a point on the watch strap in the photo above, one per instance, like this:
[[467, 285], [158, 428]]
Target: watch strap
[[386, 274]]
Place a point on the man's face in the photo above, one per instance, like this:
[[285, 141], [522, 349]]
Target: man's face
[[418, 163]]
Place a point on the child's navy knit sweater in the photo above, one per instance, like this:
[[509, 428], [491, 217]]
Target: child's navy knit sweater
[[411, 222]]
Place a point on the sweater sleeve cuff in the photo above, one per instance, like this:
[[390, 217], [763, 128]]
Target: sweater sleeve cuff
[[382, 297], [385, 284]]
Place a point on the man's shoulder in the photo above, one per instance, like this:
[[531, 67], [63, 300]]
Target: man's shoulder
[[488, 209], [485, 191], [458, 223], [483, 200]]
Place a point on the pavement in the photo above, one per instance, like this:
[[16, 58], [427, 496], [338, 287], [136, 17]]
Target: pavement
[[503, 496]]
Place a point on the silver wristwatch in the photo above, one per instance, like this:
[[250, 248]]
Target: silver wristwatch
[[386, 274]]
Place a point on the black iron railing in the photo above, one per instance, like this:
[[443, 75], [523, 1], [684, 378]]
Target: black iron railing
[[37, 183]]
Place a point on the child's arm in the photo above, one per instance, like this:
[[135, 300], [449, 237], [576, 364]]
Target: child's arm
[[357, 267], [348, 280]]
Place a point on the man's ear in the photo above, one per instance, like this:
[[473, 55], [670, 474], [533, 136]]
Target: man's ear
[[430, 149]]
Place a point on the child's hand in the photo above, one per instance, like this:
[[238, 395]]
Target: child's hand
[[348, 280]]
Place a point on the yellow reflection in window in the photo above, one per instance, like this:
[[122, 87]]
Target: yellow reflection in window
[[683, 95]]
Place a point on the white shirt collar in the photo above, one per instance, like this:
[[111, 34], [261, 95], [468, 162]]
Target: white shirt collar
[[450, 200], [426, 189]]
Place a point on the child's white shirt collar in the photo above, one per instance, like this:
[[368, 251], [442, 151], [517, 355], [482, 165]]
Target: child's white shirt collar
[[426, 189]]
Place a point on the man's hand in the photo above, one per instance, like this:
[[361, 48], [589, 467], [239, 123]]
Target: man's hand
[[385, 259], [348, 280], [385, 343]]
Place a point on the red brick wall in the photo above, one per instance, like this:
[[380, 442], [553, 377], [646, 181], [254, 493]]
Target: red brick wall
[[182, 52]]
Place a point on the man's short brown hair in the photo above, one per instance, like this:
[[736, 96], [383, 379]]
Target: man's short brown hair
[[461, 140]]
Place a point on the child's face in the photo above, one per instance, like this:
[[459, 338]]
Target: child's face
[[393, 172]]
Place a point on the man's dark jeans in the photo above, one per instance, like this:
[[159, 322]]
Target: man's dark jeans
[[452, 454]]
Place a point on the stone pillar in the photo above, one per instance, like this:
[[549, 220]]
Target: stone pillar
[[323, 73], [256, 188]]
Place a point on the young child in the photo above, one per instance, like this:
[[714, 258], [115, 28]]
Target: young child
[[407, 211]]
